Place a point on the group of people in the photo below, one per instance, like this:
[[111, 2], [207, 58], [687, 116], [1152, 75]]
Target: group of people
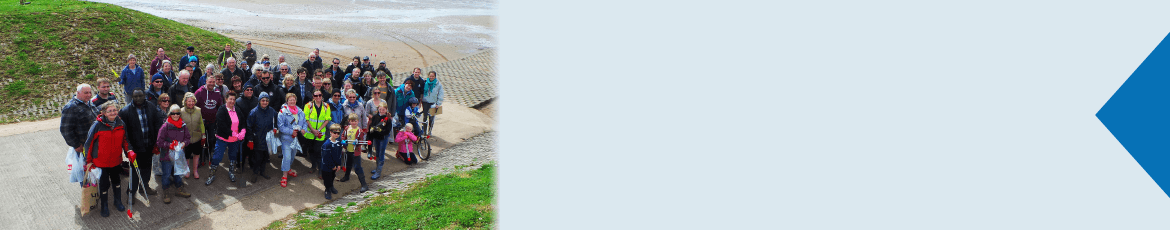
[[249, 108]]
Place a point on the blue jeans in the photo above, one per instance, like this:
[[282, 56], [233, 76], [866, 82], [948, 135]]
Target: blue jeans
[[168, 178], [380, 150], [232, 148]]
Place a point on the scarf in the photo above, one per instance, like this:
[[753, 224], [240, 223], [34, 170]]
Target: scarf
[[291, 109], [429, 85], [177, 123]]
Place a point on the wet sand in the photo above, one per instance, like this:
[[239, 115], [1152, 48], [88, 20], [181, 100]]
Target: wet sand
[[405, 34]]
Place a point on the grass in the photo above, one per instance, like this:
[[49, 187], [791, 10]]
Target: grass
[[457, 200], [68, 42]]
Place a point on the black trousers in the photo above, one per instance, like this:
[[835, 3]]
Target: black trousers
[[245, 153], [144, 166], [109, 177], [314, 152], [327, 175], [259, 159]]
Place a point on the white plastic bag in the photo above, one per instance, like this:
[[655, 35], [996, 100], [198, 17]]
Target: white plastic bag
[[273, 143], [179, 159], [95, 174], [157, 167], [75, 165]]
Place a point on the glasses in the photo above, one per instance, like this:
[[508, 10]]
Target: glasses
[[316, 95], [336, 131], [339, 95], [157, 81], [176, 114], [164, 100], [327, 83], [351, 97]]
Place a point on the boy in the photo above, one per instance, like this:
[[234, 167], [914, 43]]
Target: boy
[[331, 159]]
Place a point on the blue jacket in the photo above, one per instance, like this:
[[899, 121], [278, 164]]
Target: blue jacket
[[262, 120], [337, 113], [401, 95], [132, 79], [286, 122], [331, 154]]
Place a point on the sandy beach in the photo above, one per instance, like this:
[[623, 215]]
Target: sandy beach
[[405, 34]]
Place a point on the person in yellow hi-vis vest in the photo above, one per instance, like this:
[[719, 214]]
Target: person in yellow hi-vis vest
[[317, 117]]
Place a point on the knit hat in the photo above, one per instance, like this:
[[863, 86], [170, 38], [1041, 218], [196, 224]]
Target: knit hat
[[157, 77], [264, 95]]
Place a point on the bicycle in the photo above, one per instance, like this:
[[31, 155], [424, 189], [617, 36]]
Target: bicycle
[[422, 147]]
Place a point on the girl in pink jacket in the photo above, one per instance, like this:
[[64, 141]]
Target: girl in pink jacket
[[406, 148]]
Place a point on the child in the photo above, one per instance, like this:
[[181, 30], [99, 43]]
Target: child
[[331, 159], [354, 132], [413, 110], [406, 140]]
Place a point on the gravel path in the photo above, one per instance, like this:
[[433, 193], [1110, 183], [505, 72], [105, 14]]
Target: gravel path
[[473, 152]]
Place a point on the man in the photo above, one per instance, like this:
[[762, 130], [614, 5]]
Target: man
[[249, 54], [159, 57], [247, 102], [366, 66], [233, 70], [156, 88], [196, 73], [301, 87], [356, 64], [180, 88], [335, 69], [247, 70], [276, 65], [186, 59], [382, 68], [416, 82], [268, 85], [131, 77], [142, 124], [77, 116], [223, 56], [312, 64], [317, 118], [104, 93], [317, 84], [284, 71]]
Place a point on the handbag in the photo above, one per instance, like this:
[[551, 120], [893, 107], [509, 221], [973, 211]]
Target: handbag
[[89, 196]]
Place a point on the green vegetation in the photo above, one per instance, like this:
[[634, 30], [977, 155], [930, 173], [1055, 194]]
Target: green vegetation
[[68, 42], [458, 200]]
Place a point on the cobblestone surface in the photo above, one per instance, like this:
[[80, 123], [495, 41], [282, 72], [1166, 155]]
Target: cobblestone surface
[[468, 81], [473, 152]]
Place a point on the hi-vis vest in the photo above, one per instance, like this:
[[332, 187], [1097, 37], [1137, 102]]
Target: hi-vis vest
[[317, 120]]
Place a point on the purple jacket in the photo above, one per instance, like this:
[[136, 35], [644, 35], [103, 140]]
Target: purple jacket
[[169, 133]]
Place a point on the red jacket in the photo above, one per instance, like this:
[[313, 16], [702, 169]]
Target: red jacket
[[106, 143]]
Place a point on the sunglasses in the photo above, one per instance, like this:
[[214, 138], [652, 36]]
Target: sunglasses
[[351, 97], [316, 95], [176, 114], [336, 131], [328, 83], [157, 81], [164, 100]]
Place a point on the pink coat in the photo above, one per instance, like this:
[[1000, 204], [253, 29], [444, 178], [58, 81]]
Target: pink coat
[[403, 145]]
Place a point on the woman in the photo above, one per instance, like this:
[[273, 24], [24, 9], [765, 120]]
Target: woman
[[105, 144], [164, 103], [290, 123], [237, 85], [290, 84], [432, 97], [380, 126], [380, 82], [229, 132], [172, 134], [194, 120]]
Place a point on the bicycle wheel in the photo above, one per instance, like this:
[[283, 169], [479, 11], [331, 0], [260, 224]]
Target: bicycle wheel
[[423, 148]]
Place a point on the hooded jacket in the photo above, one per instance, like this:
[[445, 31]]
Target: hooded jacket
[[287, 121], [261, 120], [106, 142], [209, 101], [355, 108], [435, 96], [331, 154]]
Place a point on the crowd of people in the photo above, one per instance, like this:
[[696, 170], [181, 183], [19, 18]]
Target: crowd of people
[[245, 108]]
